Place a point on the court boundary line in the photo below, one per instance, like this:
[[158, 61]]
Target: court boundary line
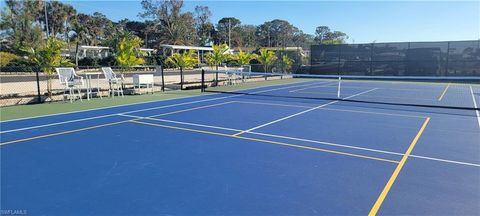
[[392, 89], [265, 134], [302, 112], [238, 130], [267, 141], [274, 104], [103, 125], [333, 109], [371, 96], [307, 140], [107, 124], [145, 102], [444, 92], [63, 132], [398, 169], [475, 106], [147, 109], [182, 123]]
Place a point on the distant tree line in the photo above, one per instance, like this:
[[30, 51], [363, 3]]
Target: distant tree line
[[23, 26]]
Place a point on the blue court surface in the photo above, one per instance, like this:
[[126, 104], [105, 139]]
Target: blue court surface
[[254, 154]]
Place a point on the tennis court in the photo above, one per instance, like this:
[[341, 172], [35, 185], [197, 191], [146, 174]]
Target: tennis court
[[309, 146]]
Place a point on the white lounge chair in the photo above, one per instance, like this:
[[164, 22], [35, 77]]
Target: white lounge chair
[[115, 84], [71, 82]]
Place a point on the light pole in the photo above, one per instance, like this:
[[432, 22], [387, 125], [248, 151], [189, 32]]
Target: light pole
[[46, 18], [229, 32]]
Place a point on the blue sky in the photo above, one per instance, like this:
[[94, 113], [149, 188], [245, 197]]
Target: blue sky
[[363, 21]]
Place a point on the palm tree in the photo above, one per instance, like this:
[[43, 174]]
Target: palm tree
[[266, 58], [48, 57], [286, 63], [82, 34], [244, 58], [183, 60], [217, 57]]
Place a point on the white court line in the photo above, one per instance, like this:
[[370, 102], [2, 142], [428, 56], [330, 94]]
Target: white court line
[[372, 96], [446, 161], [365, 149], [152, 101], [273, 104], [57, 123], [319, 86], [178, 122], [141, 110], [334, 109], [475, 106], [373, 113], [299, 113], [306, 140], [94, 109]]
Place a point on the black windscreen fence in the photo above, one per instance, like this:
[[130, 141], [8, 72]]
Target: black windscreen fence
[[449, 58]]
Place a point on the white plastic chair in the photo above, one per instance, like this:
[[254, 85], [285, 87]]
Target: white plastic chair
[[115, 85], [246, 72], [233, 74], [71, 82]]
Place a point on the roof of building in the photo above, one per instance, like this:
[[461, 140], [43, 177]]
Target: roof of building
[[181, 47]]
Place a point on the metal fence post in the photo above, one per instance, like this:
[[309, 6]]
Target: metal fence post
[[446, 60], [339, 58], [202, 88], [163, 78], [39, 97], [181, 78], [371, 59]]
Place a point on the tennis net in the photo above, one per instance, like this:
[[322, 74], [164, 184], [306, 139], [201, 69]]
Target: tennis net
[[419, 91]]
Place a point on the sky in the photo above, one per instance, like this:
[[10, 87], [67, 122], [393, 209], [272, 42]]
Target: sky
[[363, 21]]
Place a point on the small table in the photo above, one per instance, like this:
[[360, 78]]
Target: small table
[[88, 77], [140, 80]]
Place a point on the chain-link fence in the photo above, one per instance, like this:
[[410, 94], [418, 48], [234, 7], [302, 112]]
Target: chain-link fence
[[27, 85], [449, 58]]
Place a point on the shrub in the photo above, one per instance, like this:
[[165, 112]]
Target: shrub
[[7, 58]]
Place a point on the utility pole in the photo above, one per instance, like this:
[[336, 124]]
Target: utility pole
[[46, 18], [229, 32]]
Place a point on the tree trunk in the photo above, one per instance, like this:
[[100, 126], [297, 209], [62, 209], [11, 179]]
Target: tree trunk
[[265, 68], [49, 86], [216, 75]]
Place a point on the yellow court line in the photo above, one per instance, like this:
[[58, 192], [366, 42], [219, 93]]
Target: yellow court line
[[238, 134], [108, 124], [444, 92], [63, 132], [397, 170], [267, 141]]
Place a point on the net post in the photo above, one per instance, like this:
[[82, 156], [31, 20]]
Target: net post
[[163, 78], [339, 86], [202, 87], [39, 97]]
